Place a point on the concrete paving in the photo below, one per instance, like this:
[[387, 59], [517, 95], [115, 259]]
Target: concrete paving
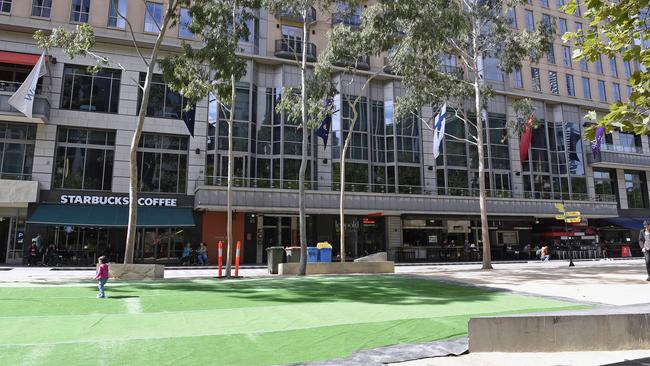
[[537, 359]]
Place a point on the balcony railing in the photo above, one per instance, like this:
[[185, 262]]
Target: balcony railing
[[611, 156], [296, 16], [456, 71], [15, 176], [622, 148], [404, 189], [292, 49], [41, 108], [349, 20], [12, 86], [362, 63]]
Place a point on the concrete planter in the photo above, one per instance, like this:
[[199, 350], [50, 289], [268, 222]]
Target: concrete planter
[[338, 268], [136, 271]]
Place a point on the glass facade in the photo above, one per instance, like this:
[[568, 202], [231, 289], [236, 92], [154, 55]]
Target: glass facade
[[84, 159], [85, 91], [162, 163], [16, 150]]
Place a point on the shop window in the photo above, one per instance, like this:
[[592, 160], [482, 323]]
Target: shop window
[[162, 163], [84, 159], [16, 150], [85, 91], [635, 188]]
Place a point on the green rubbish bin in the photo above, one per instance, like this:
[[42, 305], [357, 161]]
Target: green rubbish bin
[[293, 254], [274, 256]]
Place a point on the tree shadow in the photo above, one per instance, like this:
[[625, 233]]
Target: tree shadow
[[387, 290]]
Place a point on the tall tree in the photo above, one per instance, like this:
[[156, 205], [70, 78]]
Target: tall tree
[[618, 28], [307, 106], [212, 68], [471, 31], [80, 43]]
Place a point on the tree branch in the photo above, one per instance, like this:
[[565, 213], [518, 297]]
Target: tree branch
[[132, 33]]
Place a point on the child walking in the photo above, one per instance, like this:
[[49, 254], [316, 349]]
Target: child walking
[[102, 275]]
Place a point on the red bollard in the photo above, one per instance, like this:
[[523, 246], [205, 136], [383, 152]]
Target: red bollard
[[237, 259], [220, 257]]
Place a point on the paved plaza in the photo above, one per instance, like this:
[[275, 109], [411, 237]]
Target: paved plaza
[[589, 283]]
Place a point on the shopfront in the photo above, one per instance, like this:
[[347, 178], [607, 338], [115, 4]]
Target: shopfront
[[81, 227]]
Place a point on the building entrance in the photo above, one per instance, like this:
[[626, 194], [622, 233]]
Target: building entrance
[[279, 231]]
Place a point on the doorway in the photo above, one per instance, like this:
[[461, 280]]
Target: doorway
[[277, 231]]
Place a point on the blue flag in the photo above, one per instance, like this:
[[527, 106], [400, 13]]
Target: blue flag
[[188, 118], [439, 130]]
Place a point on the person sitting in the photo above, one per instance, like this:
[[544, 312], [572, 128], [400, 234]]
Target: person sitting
[[185, 256], [544, 254]]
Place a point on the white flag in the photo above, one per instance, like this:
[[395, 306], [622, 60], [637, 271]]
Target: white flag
[[23, 98], [439, 130]]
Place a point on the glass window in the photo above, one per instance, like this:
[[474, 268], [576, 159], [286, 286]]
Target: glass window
[[115, 7], [5, 6], [570, 87], [613, 67], [530, 20], [617, 92], [83, 91], [184, 23], [602, 93], [559, 3], [599, 65], [562, 23], [518, 78], [586, 88], [409, 179], [84, 159], [634, 186], [535, 76], [153, 17], [566, 56], [16, 150], [552, 80], [550, 54], [41, 8], [163, 102], [512, 14], [628, 68], [12, 76], [604, 182], [162, 163], [80, 10], [544, 3]]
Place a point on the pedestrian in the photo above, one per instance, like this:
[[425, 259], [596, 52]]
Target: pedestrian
[[101, 276], [203, 254], [644, 243], [185, 256], [33, 254], [544, 255]]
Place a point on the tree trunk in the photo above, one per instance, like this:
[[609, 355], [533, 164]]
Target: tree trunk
[[478, 81], [231, 119], [302, 269], [348, 138], [132, 230]]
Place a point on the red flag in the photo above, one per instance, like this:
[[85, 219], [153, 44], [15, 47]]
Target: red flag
[[525, 139]]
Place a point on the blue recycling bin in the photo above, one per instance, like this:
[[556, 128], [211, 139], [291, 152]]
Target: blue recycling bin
[[325, 255], [312, 254]]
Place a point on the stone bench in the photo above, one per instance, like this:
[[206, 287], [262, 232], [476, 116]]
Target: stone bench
[[602, 329], [136, 271]]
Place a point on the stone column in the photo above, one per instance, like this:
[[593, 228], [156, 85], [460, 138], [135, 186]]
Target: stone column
[[622, 192]]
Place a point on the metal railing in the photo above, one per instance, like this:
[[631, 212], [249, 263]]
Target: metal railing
[[349, 20], [362, 63], [622, 148], [12, 86], [296, 16], [291, 48], [239, 182]]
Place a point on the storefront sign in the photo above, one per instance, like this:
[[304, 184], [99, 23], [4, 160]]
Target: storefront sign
[[458, 226], [115, 200]]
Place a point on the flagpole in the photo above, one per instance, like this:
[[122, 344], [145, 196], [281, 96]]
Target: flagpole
[[566, 225]]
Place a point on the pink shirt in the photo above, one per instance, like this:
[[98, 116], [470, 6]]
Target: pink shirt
[[102, 271]]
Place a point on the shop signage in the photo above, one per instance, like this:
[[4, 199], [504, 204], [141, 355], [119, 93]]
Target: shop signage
[[458, 226], [70, 199]]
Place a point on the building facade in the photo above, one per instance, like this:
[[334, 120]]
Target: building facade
[[65, 173]]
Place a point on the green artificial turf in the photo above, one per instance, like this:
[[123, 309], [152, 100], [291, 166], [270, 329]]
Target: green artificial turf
[[251, 322]]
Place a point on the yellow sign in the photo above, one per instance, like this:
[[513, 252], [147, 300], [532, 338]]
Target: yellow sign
[[560, 207], [573, 213], [573, 220], [559, 217]]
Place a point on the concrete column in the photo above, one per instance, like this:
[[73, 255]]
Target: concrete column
[[645, 143], [394, 235], [622, 192], [121, 161], [44, 146]]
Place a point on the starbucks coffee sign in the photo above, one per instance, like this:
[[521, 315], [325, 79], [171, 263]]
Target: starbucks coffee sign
[[71, 199]]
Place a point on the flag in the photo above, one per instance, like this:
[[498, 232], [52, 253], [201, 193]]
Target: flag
[[525, 139], [188, 118], [23, 98], [595, 145], [323, 130], [439, 130]]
